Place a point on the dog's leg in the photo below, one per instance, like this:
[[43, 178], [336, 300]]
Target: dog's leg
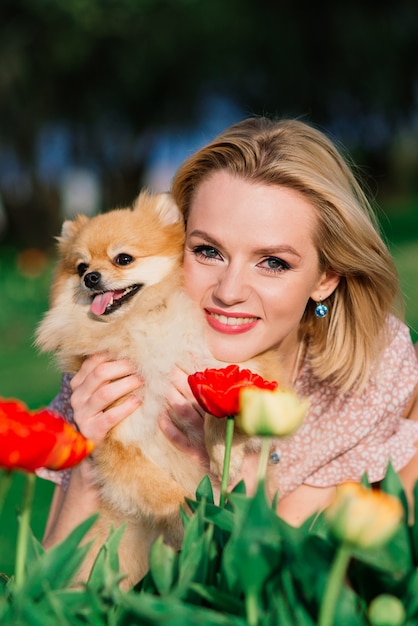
[[134, 546], [135, 485], [97, 535]]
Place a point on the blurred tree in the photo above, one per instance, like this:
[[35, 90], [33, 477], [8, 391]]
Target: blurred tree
[[115, 70]]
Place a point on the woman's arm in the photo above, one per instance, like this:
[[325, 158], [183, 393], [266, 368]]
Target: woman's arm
[[71, 507], [96, 387], [409, 474]]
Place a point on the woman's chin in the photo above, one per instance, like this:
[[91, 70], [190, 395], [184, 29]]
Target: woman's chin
[[230, 354]]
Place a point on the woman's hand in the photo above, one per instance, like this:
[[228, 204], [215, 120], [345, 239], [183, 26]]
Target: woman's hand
[[183, 422], [103, 394]]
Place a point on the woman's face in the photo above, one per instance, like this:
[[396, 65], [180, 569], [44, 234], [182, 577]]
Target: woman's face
[[251, 265]]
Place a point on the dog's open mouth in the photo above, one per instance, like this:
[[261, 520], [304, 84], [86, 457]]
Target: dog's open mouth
[[106, 302]]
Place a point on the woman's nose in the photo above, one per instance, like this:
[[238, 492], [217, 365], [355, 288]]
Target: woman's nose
[[231, 286]]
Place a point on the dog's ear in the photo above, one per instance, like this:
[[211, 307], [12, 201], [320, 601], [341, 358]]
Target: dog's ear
[[161, 204], [71, 227], [168, 209]]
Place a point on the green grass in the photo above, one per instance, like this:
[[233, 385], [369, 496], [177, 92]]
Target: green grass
[[399, 220], [9, 516], [26, 375], [406, 258], [31, 377]]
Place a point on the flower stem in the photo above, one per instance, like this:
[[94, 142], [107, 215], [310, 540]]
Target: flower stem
[[264, 455], [334, 583], [251, 608], [24, 526], [5, 480], [227, 458]]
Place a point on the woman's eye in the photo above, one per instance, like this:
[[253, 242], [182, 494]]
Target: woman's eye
[[208, 252], [123, 259], [275, 264]]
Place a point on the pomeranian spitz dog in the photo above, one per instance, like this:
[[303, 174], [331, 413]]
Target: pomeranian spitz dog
[[118, 290]]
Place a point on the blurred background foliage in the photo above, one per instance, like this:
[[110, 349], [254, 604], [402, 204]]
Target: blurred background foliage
[[94, 84], [101, 97]]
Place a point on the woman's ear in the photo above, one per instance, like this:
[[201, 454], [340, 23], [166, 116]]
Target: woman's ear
[[327, 284]]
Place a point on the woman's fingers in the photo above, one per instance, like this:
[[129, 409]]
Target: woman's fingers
[[103, 395], [182, 441], [97, 370], [181, 400]]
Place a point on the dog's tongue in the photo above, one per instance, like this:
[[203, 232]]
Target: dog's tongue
[[102, 300]]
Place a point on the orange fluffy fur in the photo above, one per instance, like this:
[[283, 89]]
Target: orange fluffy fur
[[143, 479]]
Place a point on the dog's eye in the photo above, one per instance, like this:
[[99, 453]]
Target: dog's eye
[[82, 268], [123, 259]]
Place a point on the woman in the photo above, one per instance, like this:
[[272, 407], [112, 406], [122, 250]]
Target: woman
[[282, 251]]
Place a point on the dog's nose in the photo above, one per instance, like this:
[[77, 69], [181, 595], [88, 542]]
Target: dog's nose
[[92, 279]]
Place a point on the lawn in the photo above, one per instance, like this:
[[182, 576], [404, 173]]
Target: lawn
[[33, 378], [24, 374], [399, 222]]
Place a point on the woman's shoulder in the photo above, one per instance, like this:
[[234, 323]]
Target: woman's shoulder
[[398, 360], [398, 333], [348, 434]]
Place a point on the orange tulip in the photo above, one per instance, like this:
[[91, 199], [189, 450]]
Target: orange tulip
[[31, 440], [363, 517]]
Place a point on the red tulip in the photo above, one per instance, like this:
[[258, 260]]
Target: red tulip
[[31, 440], [217, 390]]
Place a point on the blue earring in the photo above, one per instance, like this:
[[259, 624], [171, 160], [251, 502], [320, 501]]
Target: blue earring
[[321, 309]]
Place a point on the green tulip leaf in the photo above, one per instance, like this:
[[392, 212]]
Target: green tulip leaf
[[392, 485], [164, 566], [56, 567], [204, 490], [254, 549], [414, 528], [105, 570], [195, 564]]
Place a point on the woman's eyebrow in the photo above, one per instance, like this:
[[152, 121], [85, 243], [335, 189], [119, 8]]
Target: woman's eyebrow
[[278, 249], [205, 236], [264, 251]]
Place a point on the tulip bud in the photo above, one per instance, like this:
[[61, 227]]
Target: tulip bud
[[363, 517], [268, 412], [386, 610]]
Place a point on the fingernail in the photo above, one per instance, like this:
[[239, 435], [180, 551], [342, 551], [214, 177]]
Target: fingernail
[[135, 399], [166, 425]]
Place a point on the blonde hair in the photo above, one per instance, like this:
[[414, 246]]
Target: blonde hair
[[343, 346]]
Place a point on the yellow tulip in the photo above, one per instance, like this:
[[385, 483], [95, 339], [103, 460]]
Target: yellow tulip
[[363, 517], [270, 412]]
